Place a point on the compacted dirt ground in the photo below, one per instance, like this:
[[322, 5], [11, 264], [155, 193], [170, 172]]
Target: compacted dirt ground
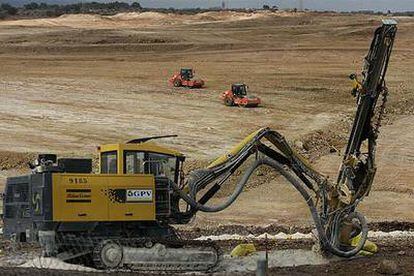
[[394, 258], [71, 83]]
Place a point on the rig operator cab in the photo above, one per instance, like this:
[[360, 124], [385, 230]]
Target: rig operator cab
[[136, 157]]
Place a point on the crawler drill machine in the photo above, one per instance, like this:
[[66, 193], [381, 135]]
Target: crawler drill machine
[[122, 216]]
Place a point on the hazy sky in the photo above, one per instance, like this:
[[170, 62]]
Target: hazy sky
[[338, 5]]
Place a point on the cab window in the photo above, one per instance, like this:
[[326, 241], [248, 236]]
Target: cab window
[[162, 165], [137, 162], [109, 162], [134, 162]]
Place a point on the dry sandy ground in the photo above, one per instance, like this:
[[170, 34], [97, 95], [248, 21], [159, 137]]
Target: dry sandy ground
[[71, 83]]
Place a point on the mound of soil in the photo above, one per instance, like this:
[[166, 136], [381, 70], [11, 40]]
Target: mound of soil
[[143, 15], [15, 160]]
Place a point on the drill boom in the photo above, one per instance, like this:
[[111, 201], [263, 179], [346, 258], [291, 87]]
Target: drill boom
[[332, 205]]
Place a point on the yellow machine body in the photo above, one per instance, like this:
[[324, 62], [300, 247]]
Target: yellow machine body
[[103, 197], [109, 196]]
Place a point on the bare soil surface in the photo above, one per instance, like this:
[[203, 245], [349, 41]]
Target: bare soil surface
[[394, 258], [72, 83]]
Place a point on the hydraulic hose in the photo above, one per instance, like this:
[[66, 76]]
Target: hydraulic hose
[[213, 209], [326, 243]]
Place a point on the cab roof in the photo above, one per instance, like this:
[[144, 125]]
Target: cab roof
[[145, 146]]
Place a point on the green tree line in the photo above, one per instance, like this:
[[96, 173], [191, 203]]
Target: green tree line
[[34, 9]]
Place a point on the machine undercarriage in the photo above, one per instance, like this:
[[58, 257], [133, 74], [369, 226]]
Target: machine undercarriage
[[140, 253]]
